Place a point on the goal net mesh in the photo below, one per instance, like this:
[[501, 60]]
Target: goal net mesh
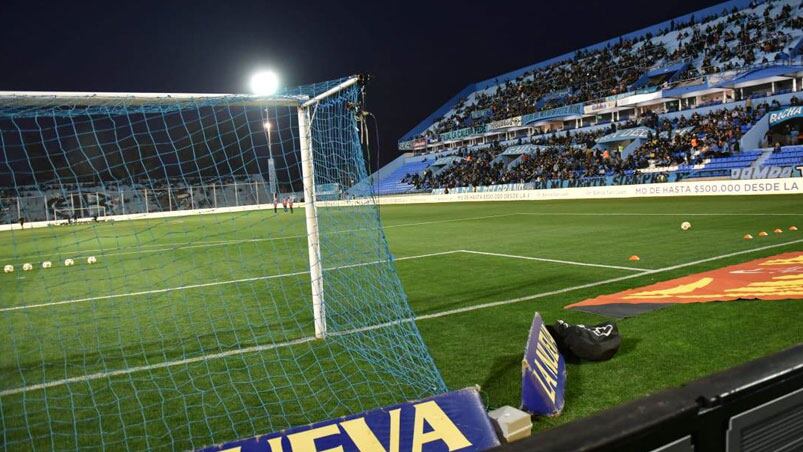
[[194, 326]]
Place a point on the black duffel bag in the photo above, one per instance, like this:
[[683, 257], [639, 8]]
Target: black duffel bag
[[594, 343]]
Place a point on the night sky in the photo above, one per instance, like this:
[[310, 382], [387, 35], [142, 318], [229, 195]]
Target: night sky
[[420, 53]]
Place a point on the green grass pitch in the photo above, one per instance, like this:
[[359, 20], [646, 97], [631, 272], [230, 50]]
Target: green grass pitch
[[463, 267]]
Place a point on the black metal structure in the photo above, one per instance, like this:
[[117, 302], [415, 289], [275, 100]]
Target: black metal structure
[[757, 406]]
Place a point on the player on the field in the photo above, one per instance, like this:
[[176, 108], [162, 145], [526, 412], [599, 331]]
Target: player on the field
[[275, 202]]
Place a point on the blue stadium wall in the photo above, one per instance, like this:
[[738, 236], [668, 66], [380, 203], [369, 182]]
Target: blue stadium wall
[[711, 10]]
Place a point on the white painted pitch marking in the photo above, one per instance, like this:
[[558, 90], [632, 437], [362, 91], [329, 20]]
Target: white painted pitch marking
[[599, 283], [556, 261], [172, 246], [662, 214], [162, 365], [259, 348], [161, 247], [209, 284]]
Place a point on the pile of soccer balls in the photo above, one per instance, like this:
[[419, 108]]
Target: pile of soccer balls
[[8, 268]]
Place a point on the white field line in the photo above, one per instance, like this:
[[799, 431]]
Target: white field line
[[663, 214], [162, 247], [599, 283], [259, 348], [283, 275], [556, 261], [209, 284]]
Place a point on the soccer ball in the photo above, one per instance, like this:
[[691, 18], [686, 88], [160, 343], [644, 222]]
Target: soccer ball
[[27, 267], [47, 264], [8, 269], [91, 260], [685, 225], [68, 262]]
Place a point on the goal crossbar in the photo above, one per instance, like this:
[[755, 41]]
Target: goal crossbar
[[88, 98]]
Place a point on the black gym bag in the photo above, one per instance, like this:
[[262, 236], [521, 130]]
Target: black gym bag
[[594, 343]]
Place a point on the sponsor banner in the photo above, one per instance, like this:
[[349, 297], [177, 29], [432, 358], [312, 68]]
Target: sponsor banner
[[792, 185], [419, 144], [504, 123], [778, 277], [715, 79], [454, 421], [560, 112], [616, 97], [765, 172], [599, 107], [627, 134], [462, 133], [543, 372], [406, 145], [786, 114], [638, 98]]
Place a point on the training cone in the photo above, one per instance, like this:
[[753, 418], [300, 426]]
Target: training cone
[[793, 228], [634, 258], [748, 237], [762, 234], [778, 231]]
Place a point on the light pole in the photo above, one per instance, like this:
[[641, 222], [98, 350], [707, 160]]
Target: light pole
[[271, 166]]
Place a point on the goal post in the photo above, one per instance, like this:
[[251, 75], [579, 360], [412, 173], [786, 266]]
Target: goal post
[[188, 330], [305, 111], [311, 220], [78, 213]]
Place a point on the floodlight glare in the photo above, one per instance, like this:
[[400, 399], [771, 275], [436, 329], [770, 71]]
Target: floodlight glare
[[264, 83]]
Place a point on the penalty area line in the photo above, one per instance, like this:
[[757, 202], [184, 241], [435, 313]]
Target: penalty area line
[[556, 261], [215, 283], [303, 340]]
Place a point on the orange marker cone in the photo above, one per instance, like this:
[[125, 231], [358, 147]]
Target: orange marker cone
[[748, 237], [762, 234], [634, 258], [793, 228], [778, 231]]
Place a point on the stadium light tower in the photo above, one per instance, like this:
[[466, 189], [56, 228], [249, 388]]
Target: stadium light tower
[[264, 83], [271, 164]]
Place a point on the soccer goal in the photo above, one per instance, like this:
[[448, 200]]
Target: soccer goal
[[79, 213], [187, 330]]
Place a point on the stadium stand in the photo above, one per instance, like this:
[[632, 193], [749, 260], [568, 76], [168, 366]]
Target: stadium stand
[[686, 98], [756, 35], [786, 157], [65, 201], [398, 180]]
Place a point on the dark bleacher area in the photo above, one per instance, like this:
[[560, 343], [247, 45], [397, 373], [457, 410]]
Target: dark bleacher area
[[392, 183], [791, 156]]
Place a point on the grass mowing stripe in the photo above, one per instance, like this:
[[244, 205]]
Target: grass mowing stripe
[[162, 365], [215, 283], [259, 348], [181, 245], [599, 283], [556, 261], [660, 214]]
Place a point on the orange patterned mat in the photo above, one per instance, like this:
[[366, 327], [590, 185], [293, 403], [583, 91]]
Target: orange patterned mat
[[773, 278]]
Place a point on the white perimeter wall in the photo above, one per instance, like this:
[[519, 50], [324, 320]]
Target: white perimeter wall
[[786, 186], [684, 188]]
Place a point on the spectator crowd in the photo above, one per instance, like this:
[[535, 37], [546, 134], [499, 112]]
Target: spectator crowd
[[741, 38], [686, 139]]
